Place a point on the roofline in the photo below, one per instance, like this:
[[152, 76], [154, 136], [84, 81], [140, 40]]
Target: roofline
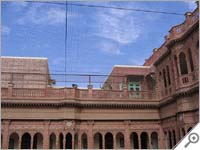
[[17, 57], [130, 66]]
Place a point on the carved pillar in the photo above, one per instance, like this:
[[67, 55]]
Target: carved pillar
[[139, 139], [57, 141], [6, 134], [64, 141], [115, 141], [150, 142], [31, 146], [161, 139], [73, 140], [127, 135], [79, 140], [20, 141], [46, 135], [103, 140], [90, 135]]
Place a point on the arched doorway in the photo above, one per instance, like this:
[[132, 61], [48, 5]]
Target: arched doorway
[[134, 141], [154, 140], [170, 139], [52, 141], [120, 141], [98, 141], [183, 132], [38, 141], [76, 141], [108, 141], [26, 141], [13, 141], [61, 141], [84, 142], [174, 137], [144, 140], [68, 143], [190, 128]]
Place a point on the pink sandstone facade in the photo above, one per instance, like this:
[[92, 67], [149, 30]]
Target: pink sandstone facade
[[151, 106]]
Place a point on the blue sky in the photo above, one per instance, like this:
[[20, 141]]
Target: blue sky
[[98, 38]]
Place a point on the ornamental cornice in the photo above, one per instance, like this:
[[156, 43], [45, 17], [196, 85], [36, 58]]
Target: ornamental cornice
[[78, 105]]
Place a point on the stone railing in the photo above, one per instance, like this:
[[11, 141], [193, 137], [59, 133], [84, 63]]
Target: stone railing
[[188, 79], [61, 93]]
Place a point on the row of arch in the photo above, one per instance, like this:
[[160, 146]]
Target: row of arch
[[171, 136], [108, 141]]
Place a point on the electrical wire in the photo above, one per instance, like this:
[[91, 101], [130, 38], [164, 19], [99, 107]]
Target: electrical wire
[[112, 7]]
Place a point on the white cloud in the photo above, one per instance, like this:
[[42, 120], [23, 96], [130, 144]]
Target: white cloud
[[191, 5], [118, 26], [43, 14], [110, 48], [5, 30], [18, 5]]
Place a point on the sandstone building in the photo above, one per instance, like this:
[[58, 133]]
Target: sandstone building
[[138, 107]]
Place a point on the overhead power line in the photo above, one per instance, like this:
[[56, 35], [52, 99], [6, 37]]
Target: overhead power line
[[114, 7]]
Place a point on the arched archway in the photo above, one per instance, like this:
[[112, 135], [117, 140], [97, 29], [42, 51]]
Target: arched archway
[[84, 141], [119, 140], [108, 141], [98, 141], [144, 140], [13, 141], [154, 140], [183, 63], [38, 141], [190, 128], [68, 143], [52, 141], [183, 132], [174, 137], [134, 140], [26, 141], [61, 141], [170, 139]]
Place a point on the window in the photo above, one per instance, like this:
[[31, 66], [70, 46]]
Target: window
[[164, 76], [168, 76], [183, 64], [191, 61], [197, 45]]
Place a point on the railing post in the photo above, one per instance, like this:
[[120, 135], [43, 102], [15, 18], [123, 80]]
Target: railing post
[[125, 92], [90, 90], [10, 89]]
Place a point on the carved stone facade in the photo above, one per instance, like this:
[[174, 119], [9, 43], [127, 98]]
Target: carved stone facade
[[151, 106]]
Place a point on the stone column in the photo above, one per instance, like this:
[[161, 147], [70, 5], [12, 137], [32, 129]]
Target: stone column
[[57, 141], [6, 134], [161, 139], [90, 135], [150, 142], [79, 141], [31, 141], [20, 141], [73, 140], [115, 141], [46, 135], [127, 135], [139, 140], [64, 141], [103, 140]]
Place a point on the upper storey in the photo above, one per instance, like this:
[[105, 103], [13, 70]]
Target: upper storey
[[176, 33], [24, 72]]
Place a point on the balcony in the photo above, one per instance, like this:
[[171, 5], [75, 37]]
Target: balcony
[[75, 93]]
